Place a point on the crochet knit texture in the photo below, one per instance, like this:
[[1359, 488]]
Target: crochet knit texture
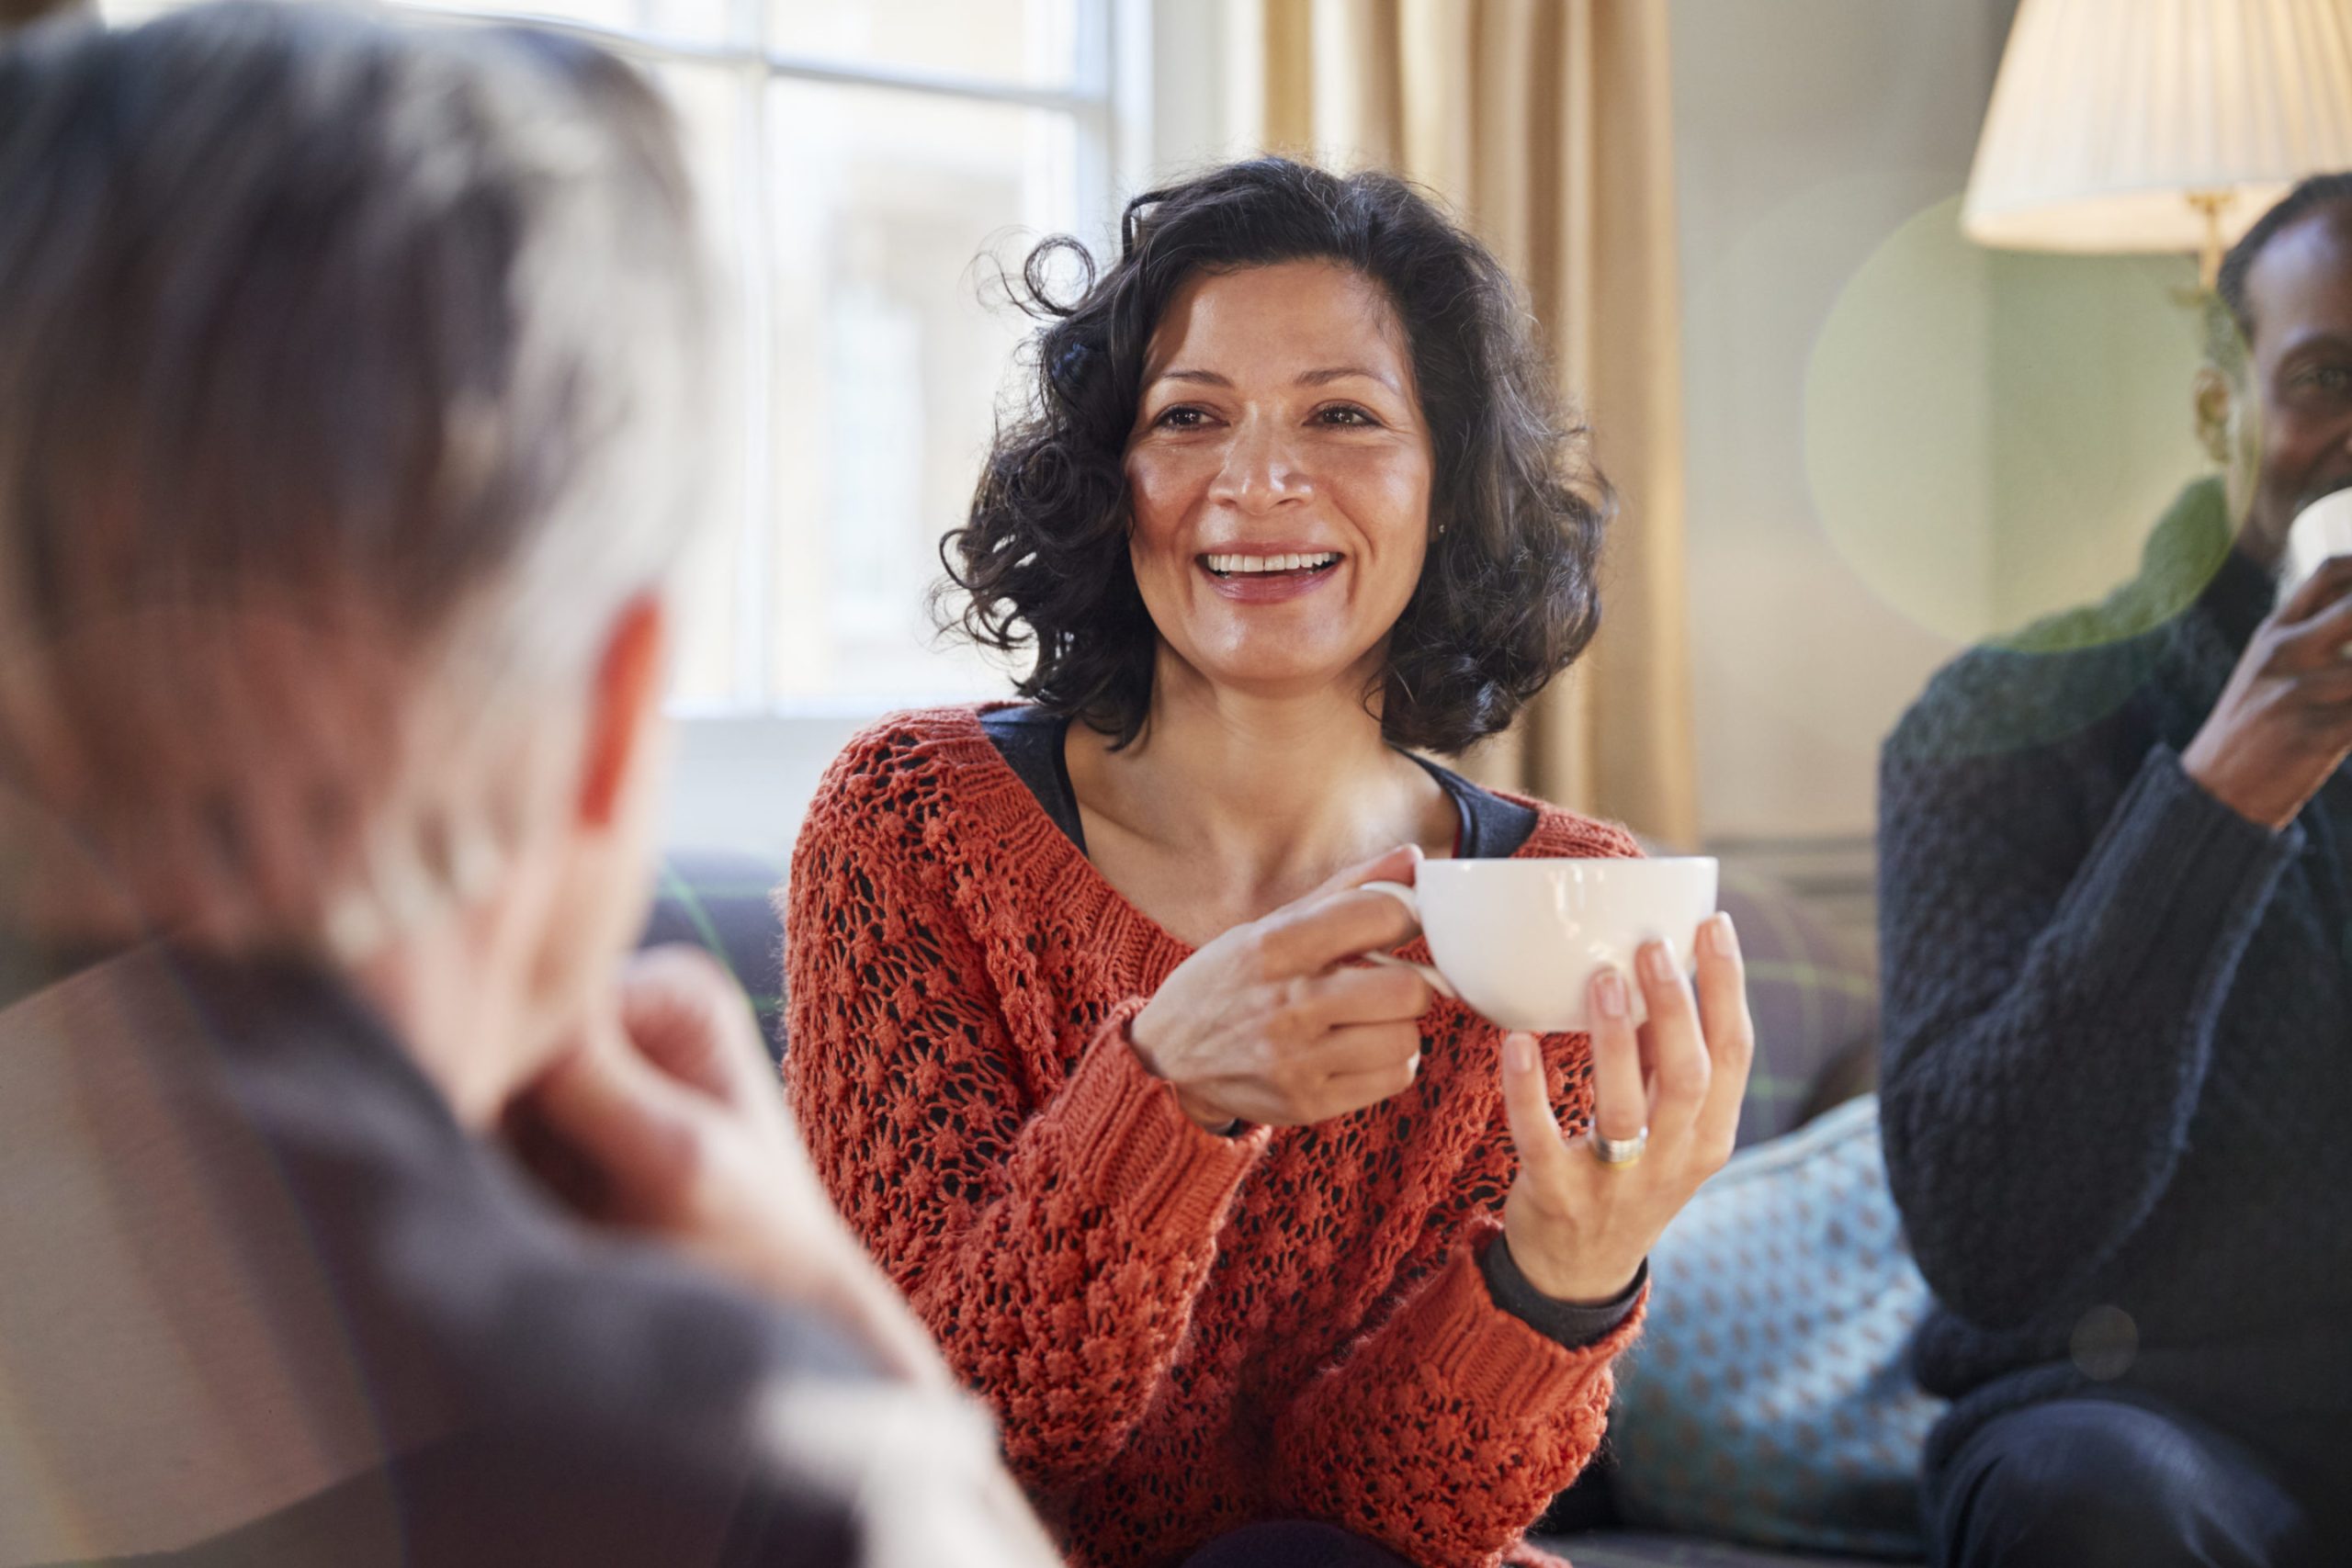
[[1180, 1333]]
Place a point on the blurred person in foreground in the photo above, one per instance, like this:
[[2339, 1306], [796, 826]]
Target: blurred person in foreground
[[1263, 1256], [348, 378], [2118, 940]]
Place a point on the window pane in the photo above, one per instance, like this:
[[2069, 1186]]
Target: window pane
[[715, 110], [702, 21], [1032, 41], [887, 361]]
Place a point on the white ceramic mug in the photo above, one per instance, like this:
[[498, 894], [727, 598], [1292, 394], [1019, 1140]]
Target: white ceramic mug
[[1519, 941], [2319, 530]]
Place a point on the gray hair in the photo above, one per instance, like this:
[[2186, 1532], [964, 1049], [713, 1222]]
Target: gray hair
[[349, 375]]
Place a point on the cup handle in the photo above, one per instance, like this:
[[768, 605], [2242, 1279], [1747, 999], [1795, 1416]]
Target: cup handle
[[1404, 895]]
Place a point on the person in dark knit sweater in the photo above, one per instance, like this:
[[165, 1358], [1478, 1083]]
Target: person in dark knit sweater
[[2117, 921]]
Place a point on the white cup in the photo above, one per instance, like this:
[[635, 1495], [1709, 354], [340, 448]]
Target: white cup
[[2319, 530], [1519, 940]]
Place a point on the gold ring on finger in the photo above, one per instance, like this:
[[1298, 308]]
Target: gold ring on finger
[[1619, 1151]]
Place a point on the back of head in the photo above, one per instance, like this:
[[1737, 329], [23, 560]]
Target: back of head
[[346, 392]]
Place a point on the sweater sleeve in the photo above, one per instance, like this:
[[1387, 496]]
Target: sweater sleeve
[[2051, 986], [1450, 1397], [1055, 1248]]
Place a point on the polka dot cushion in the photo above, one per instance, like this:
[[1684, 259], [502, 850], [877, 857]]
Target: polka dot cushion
[[1770, 1399]]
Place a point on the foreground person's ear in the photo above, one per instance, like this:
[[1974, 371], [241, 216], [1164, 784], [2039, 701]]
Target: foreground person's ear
[[624, 704]]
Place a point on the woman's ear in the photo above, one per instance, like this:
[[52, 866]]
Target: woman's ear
[[625, 708], [2215, 400]]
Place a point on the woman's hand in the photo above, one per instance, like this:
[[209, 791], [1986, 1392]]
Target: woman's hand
[[1579, 1229], [1270, 1023], [670, 1122]]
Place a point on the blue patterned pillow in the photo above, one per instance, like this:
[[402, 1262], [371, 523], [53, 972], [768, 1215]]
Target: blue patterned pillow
[[1770, 1399]]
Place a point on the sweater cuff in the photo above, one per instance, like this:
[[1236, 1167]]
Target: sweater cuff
[[1128, 1140], [2175, 872], [1572, 1323], [1497, 1362]]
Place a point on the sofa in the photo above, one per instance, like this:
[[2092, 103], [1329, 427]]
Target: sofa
[[1815, 1002]]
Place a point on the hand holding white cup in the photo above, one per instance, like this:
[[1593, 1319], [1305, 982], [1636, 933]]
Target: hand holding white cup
[[1577, 1228], [1556, 945], [1519, 941]]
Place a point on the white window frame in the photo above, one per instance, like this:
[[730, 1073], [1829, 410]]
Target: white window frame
[[745, 768]]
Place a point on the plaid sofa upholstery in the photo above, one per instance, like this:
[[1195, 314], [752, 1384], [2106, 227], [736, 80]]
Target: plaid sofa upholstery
[[1815, 1001]]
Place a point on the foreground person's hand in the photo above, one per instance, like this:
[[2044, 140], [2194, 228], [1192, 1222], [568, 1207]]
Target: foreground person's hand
[[1271, 1023], [672, 1124], [2284, 722], [1578, 1228]]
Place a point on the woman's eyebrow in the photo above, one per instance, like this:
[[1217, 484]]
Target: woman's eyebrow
[[1341, 372], [1305, 378]]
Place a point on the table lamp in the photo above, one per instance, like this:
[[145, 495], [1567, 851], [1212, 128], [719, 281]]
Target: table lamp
[[2158, 125]]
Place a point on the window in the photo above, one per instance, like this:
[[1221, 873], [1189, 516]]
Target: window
[[858, 163], [861, 164]]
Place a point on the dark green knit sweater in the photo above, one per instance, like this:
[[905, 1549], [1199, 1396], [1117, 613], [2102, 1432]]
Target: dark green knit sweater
[[2117, 1059]]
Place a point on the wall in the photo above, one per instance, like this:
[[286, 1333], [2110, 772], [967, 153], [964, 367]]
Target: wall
[[1898, 441], [1808, 132]]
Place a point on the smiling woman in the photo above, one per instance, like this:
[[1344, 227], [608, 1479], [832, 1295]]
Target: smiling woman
[[1260, 1251], [1386, 326]]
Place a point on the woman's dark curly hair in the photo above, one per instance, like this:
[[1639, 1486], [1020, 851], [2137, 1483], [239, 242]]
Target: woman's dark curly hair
[[1507, 598]]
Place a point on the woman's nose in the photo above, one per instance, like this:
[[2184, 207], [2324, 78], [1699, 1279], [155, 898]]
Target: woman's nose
[[1261, 470]]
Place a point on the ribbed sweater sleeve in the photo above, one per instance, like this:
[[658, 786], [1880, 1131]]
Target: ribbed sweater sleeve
[[1450, 1396], [1054, 1249], [2053, 982]]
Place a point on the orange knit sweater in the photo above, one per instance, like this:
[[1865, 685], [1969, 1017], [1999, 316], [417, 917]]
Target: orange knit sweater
[[1180, 1333]]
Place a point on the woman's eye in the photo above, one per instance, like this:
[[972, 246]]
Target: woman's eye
[[1184, 416], [1344, 414], [2327, 378]]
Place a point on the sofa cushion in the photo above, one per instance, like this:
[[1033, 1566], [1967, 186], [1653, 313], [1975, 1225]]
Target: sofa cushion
[[1815, 1001], [1770, 1399], [1646, 1548]]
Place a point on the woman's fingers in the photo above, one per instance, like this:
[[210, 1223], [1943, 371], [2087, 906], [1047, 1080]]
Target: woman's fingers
[[1619, 1100], [1309, 937], [1352, 1092], [1362, 1048], [1678, 1051], [1389, 865], [1730, 1033], [1527, 1106], [1385, 994]]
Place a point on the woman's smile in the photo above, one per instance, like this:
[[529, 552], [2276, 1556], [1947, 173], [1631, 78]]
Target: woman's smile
[[1270, 575]]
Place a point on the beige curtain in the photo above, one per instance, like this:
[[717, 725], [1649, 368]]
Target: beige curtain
[[1546, 124]]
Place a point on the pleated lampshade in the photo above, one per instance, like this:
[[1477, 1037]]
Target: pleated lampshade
[[2158, 125]]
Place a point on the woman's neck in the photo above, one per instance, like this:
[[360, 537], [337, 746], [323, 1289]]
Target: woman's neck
[[1231, 804]]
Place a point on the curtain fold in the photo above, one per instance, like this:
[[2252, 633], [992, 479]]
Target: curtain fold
[[1546, 125]]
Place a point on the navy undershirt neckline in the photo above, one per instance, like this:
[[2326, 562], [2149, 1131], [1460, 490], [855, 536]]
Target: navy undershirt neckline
[[1031, 741]]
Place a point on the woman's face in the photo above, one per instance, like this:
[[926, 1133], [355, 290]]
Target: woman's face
[[1279, 473]]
